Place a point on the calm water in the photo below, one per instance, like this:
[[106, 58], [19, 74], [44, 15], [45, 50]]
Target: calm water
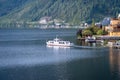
[[25, 56]]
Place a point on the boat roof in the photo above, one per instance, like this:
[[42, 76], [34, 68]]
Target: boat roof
[[57, 39]]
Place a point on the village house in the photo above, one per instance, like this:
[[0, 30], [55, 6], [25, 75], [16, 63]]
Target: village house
[[44, 20], [114, 27]]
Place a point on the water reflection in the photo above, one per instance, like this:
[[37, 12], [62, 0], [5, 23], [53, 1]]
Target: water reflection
[[83, 43], [61, 71], [58, 49], [115, 63]]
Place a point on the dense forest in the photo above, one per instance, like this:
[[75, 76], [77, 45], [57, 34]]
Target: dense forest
[[71, 11], [6, 6]]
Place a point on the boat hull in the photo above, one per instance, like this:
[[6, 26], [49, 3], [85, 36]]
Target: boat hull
[[63, 45]]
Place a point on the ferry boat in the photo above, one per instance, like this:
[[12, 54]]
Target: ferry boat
[[59, 42]]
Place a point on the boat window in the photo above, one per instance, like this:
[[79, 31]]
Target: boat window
[[67, 42], [61, 42], [51, 42]]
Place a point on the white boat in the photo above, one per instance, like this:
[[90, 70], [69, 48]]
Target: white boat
[[59, 42], [90, 39], [116, 44]]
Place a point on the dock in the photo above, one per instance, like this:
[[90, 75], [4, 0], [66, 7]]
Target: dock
[[88, 47], [116, 46], [109, 37]]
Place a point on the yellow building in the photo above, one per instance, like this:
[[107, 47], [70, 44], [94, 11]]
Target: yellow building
[[114, 27]]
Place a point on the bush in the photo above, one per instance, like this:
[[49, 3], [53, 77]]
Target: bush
[[100, 32], [95, 30], [87, 33], [79, 32]]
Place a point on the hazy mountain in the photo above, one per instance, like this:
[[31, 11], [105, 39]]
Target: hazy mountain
[[72, 11]]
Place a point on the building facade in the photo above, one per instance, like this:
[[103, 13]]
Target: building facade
[[114, 27]]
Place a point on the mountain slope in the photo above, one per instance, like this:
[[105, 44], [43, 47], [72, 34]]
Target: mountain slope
[[72, 11], [7, 6]]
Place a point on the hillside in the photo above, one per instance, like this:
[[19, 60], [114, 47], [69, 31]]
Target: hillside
[[72, 11], [6, 6]]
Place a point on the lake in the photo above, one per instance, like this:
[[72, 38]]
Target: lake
[[25, 56]]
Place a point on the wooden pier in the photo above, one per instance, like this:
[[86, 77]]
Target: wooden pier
[[116, 46]]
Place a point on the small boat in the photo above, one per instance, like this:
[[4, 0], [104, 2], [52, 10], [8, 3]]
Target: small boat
[[90, 39], [116, 44], [59, 42]]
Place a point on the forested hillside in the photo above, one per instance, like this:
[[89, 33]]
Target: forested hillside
[[6, 6], [72, 11]]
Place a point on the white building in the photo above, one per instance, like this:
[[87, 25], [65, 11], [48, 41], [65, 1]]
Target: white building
[[118, 16], [44, 20]]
